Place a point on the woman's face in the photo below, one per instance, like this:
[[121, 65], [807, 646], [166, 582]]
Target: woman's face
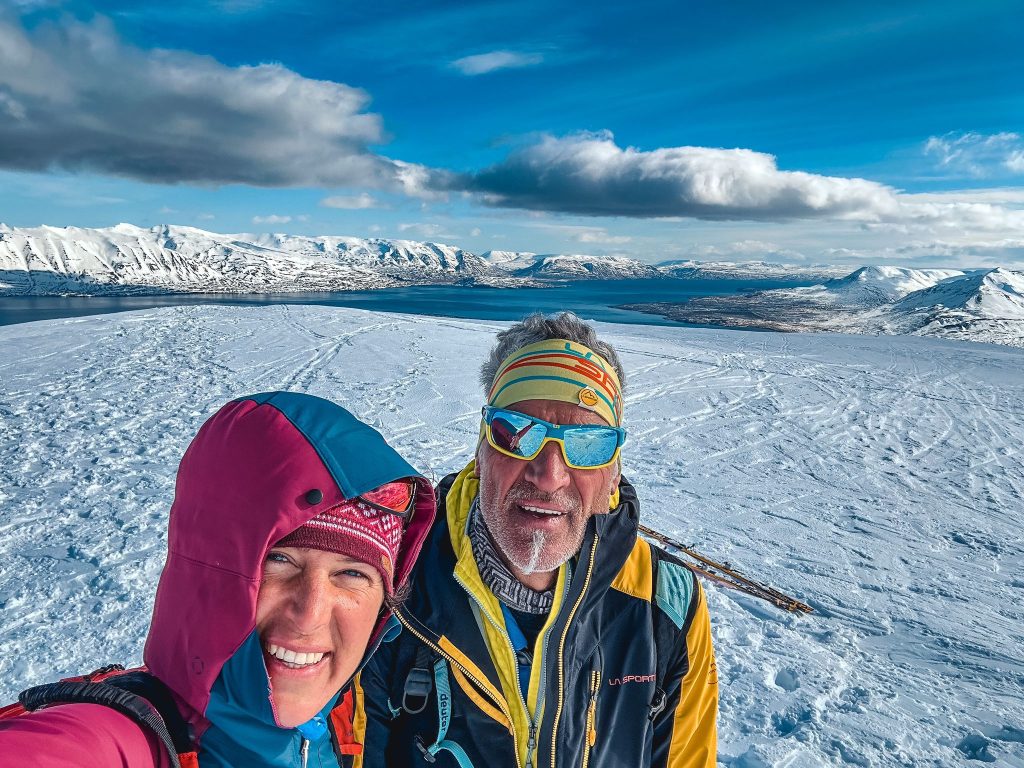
[[314, 615]]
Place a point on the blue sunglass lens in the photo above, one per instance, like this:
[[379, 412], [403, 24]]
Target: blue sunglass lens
[[517, 434], [590, 447]]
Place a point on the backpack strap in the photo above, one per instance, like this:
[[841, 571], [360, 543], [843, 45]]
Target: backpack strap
[[419, 682], [444, 716], [135, 694], [665, 638]]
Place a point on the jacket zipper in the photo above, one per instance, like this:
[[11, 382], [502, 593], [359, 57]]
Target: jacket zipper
[[531, 744], [304, 751], [502, 705], [561, 651], [595, 687]]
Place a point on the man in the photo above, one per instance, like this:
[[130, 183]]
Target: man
[[541, 632]]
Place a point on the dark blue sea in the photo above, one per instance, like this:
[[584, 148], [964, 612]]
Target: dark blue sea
[[590, 299]]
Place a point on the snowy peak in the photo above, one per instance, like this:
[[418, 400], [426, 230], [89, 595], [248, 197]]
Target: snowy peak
[[876, 285], [510, 261], [997, 294], [582, 267]]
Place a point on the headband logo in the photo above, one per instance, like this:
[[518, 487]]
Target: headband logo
[[588, 399]]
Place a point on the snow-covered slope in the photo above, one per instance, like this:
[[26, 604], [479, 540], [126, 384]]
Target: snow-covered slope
[[510, 261], [880, 479], [748, 270], [982, 306], [876, 285], [972, 306], [581, 267], [125, 258]]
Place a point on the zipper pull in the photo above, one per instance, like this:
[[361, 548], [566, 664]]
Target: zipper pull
[[531, 744], [304, 751]]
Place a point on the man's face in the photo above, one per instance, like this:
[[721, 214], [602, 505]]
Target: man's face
[[537, 511]]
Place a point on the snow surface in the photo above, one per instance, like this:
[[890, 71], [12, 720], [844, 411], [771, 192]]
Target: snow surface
[[880, 479]]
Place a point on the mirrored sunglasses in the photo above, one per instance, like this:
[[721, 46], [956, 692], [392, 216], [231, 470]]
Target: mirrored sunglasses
[[397, 497], [584, 446]]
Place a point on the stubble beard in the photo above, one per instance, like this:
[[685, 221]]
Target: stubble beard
[[539, 553]]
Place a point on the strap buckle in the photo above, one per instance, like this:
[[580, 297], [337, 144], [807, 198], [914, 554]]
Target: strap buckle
[[418, 685], [427, 754], [657, 704]]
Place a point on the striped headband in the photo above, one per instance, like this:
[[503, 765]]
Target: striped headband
[[557, 369]]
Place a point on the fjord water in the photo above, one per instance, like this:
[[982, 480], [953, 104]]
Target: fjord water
[[591, 299]]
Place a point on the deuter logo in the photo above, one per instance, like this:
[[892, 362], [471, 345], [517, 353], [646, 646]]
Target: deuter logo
[[630, 679], [443, 710]]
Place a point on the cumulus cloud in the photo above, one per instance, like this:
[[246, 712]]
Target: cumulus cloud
[[350, 202], [74, 96], [271, 219], [978, 155], [482, 63], [588, 174]]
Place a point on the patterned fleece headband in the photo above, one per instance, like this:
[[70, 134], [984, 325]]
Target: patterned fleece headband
[[563, 370]]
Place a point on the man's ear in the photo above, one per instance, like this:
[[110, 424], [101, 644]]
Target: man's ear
[[613, 487]]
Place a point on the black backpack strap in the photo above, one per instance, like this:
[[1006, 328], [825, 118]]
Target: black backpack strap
[[664, 640], [137, 695], [419, 682]]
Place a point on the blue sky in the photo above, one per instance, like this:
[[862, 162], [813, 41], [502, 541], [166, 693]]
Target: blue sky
[[809, 133]]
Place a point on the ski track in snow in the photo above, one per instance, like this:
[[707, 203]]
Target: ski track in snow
[[880, 479]]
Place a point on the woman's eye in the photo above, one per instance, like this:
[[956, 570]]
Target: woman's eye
[[355, 574], [277, 557]]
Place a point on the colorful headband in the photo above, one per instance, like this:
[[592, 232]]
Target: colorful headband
[[563, 370]]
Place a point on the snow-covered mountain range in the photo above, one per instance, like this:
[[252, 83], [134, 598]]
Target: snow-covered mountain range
[[126, 258], [129, 259], [978, 305]]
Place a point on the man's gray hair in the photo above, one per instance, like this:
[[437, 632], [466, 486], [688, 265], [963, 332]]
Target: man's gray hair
[[538, 327]]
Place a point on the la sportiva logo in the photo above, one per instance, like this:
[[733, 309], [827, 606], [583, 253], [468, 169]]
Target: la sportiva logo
[[631, 679]]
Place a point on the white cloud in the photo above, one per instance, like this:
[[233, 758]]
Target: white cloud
[[350, 202], [475, 232], [588, 174], [421, 229], [978, 155], [77, 97], [271, 219], [483, 63], [206, 217], [602, 237], [745, 250]]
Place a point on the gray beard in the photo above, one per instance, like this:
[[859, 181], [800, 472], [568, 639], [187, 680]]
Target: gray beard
[[496, 575]]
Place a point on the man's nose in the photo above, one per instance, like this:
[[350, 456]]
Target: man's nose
[[547, 471]]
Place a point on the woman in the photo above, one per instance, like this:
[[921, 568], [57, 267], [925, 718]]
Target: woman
[[294, 525]]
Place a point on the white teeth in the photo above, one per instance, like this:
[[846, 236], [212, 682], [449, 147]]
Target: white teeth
[[539, 511], [292, 658]]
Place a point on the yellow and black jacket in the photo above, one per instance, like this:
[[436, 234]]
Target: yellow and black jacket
[[623, 673]]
